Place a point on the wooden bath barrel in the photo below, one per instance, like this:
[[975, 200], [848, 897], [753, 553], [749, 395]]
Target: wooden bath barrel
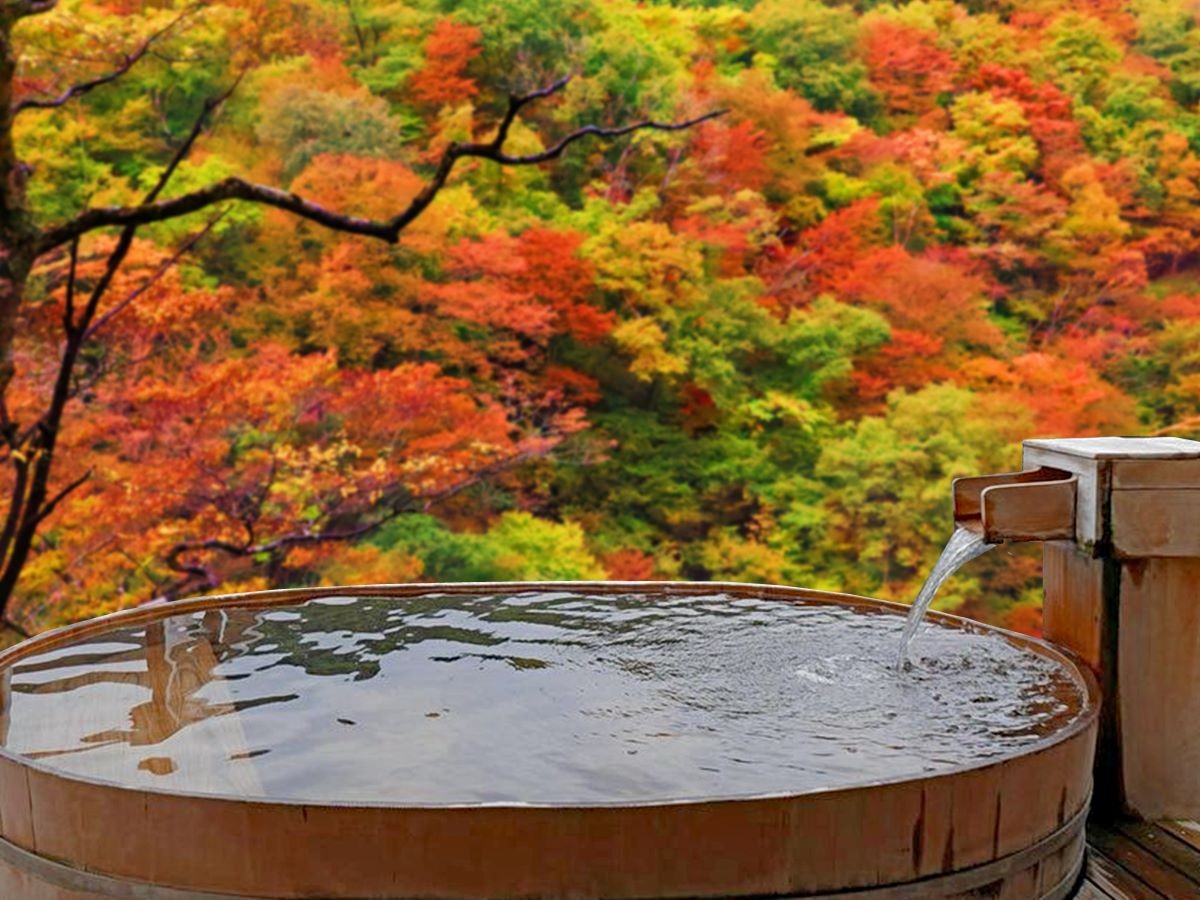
[[1011, 827]]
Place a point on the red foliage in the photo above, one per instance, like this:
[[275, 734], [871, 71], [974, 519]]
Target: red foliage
[[941, 299], [699, 410], [629, 565], [449, 48], [907, 66], [828, 250], [909, 359], [555, 271], [937, 308], [572, 385], [732, 155], [1049, 111], [534, 286]]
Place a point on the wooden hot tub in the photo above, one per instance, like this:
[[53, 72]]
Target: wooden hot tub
[[88, 818]]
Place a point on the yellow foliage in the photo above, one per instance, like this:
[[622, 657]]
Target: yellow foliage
[[645, 341]]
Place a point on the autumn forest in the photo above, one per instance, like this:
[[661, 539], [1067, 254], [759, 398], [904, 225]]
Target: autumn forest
[[819, 259]]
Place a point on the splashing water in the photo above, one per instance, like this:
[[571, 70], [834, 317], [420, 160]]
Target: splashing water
[[964, 545]]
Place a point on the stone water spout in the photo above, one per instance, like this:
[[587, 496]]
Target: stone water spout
[[1119, 519]]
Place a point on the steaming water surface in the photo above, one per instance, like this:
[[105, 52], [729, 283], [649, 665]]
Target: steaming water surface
[[528, 698]]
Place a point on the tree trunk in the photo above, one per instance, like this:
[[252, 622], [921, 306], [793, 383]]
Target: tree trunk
[[17, 239], [17, 231]]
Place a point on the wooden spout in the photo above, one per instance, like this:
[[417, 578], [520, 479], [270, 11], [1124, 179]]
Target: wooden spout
[[1034, 505]]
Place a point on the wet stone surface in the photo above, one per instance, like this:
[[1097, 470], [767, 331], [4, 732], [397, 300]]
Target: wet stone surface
[[542, 698]]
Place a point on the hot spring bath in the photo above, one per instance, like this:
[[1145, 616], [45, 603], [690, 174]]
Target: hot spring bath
[[536, 740]]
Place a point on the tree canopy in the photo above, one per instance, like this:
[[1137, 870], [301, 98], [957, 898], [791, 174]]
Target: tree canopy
[[756, 349]]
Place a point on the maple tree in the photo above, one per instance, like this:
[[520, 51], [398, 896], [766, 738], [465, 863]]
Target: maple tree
[[32, 439]]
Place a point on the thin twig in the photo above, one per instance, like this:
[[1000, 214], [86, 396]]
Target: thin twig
[[69, 303], [50, 505], [174, 558], [169, 263], [85, 87], [19, 629], [388, 229]]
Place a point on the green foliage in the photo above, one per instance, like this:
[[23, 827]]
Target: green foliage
[[526, 43], [517, 547], [300, 123], [1083, 51], [886, 480], [1168, 32], [996, 133], [810, 47]]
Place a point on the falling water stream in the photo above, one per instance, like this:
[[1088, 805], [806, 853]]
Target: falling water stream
[[964, 545]]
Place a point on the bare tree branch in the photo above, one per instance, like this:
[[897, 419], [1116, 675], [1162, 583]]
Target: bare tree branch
[[69, 301], [556, 150], [84, 87], [386, 230], [50, 505], [154, 277], [407, 503], [181, 153], [517, 103], [20, 9], [16, 507], [125, 242], [30, 506], [78, 332], [33, 452]]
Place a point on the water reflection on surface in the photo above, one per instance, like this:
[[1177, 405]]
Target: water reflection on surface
[[536, 697]]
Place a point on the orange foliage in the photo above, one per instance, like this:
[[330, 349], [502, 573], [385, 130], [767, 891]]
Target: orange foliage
[[732, 154], [534, 286], [941, 299], [1067, 397], [1025, 619], [629, 565], [271, 28], [449, 49], [284, 382], [907, 66], [374, 188]]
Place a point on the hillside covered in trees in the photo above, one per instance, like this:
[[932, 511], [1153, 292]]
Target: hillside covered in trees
[[754, 350]]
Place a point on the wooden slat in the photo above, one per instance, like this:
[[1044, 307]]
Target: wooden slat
[[1155, 523], [1186, 830], [1165, 846], [968, 491], [1132, 474], [1117, 882], [1147, 867], [1074, 615], [1158, 667], [1090, 891]]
